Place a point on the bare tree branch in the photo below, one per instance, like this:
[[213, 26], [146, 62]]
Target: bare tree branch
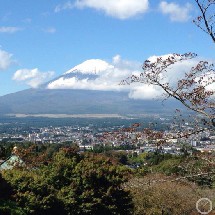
[[206, 21]]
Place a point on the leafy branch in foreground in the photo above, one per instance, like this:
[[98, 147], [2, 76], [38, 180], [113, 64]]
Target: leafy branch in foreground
[[195, 90]]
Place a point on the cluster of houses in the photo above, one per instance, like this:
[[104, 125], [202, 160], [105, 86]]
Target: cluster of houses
[[116, 137]]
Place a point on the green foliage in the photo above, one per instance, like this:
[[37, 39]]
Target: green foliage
[[169, 166], [88, 185], [102, 148], [140, 159], [156, 157], [72, 184], [31, 193], [119, 156], [8, 207], [5, 189]]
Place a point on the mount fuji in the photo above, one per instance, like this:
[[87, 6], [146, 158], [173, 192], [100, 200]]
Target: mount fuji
[[88, 88]]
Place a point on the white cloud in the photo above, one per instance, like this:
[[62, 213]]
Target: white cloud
[[5, 59], [65, 6], [107, 78], [207, 79], [50, 30], [176, 12], [116, 59], [121, 9], [32, 77], [10, 30], [98, 74], [144, 92], [173, 73]]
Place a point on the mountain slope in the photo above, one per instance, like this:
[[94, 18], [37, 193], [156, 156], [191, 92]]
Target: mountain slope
[[43, 101]]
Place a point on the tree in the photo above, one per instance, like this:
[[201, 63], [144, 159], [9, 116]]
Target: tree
[[7, 206], [193, 90], [196, 89], [206, 20], [159, 194], [72, 184], [5, 189]]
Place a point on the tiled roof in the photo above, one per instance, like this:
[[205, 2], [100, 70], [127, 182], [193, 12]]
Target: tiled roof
[[11, 162]]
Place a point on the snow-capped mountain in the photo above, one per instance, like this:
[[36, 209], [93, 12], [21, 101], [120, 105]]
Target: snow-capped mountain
[[92, 66], [91, 87], [91, 74]]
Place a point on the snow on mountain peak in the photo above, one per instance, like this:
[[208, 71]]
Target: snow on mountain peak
[[92, 66]]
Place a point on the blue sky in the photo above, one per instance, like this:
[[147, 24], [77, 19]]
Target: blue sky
[[43, 39]]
